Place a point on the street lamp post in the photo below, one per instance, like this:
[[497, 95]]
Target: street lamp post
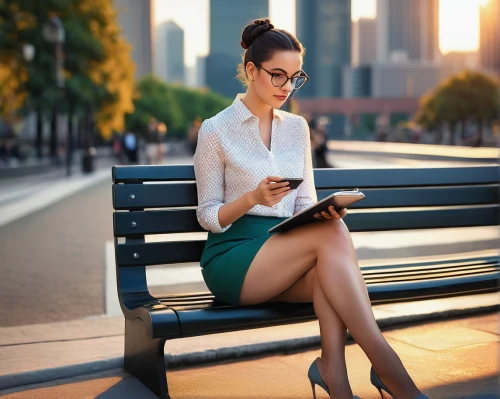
[[28, 55], [53, 31]]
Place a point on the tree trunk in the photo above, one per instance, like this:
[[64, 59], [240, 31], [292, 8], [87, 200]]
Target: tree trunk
[[87, 133], [479, 134], [53, 136], [462, 131], [69, 144], [39, 133], [453, 128]]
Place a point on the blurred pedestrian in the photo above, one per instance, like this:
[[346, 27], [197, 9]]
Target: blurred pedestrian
[[319, 143], [193, 134], [155, 149], [118, 149], [131, 146], [4, 153]]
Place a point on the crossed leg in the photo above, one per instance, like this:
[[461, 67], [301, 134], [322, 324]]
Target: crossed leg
[[317, 263]]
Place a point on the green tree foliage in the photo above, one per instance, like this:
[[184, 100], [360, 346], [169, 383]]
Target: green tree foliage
[[98, 68], [469, 95], [174, 105]]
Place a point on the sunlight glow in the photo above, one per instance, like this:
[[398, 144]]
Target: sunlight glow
[[459, 25]]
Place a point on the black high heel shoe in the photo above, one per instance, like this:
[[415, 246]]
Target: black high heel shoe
[[375, 380], [315, 378]]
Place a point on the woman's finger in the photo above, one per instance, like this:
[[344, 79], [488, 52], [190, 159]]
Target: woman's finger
[[326, 215], [333, 212]]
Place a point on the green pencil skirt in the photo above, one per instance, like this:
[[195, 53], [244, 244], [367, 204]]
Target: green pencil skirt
[[227, 256]]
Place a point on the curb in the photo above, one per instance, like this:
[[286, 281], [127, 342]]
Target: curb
[[224, 354], [427, 157]]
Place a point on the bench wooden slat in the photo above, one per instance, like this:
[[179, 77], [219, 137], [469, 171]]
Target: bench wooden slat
[[422, 265], [376, 274], [215, 317], [407, 177], [425, 196], [180, 221], [429, 272], [142, 196], [433, 275], [334, 178], [159, 253]]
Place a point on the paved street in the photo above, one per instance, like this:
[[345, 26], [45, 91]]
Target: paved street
[[53, 259], [452, 359]]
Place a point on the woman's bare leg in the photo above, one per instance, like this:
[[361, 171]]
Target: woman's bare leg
[[333, 332], [345, 288], [285, 258]]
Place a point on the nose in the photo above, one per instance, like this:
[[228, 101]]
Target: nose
[[287, 87]]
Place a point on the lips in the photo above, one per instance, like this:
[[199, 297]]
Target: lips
[[281, 98]]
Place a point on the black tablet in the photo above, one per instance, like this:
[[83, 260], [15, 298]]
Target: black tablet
[[339, 200]]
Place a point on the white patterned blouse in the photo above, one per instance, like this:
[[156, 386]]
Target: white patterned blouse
[[231, 159]]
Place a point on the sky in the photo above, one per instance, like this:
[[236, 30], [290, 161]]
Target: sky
[[459, 22]]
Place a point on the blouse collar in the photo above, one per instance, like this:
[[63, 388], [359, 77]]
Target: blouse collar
[[243, 113]]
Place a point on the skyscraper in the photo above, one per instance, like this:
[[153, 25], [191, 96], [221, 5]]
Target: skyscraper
[[408, 27], [227, 20], [201, 62], [135, 18], [324, 28], [364, 41], [175, 53], [160, 50], [489, 36]]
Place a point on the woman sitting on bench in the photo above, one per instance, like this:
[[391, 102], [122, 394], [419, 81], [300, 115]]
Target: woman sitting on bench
[[242, 155]]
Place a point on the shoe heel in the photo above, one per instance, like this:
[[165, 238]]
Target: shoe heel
[[380, 392], [313, 386]]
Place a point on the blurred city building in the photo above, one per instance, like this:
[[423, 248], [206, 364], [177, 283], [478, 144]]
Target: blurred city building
[[136, 20], [407, 26], [364, 41], [410, 79], [190, 76], [457, 61], [227, 20], [201, 62], [489, 35], [175, 53], [324, 28], [160, 50], [357, 81]]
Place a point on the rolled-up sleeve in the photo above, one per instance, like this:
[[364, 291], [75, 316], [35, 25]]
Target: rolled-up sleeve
[[208, 163], [306, 192]]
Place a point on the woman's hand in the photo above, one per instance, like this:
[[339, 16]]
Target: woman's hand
[[270, 191], [332, 215]]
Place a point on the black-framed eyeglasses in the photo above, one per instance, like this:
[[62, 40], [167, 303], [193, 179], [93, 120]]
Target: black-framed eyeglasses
[[279, 79]]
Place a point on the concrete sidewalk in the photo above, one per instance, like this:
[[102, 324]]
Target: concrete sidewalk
[[24, 195], [417, 151], [453, 358], [46, 352]]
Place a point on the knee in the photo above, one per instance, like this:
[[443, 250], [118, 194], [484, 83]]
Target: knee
[[335, 230], [334, 240]]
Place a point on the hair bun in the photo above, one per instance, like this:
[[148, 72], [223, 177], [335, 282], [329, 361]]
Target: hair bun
[[253, 30]]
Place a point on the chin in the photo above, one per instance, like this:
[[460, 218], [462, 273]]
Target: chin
[[277, 103]]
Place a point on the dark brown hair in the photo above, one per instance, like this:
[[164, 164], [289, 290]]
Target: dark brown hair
[[260, 41]]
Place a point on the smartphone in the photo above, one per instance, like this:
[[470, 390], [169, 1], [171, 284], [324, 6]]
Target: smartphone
[[294, 182]]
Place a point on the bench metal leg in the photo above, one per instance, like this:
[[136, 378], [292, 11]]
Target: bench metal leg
[[144, 357]]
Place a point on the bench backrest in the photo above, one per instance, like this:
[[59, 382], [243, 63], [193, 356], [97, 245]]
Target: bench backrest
[[162, 200]]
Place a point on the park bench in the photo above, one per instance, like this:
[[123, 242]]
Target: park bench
[[162, 200]]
